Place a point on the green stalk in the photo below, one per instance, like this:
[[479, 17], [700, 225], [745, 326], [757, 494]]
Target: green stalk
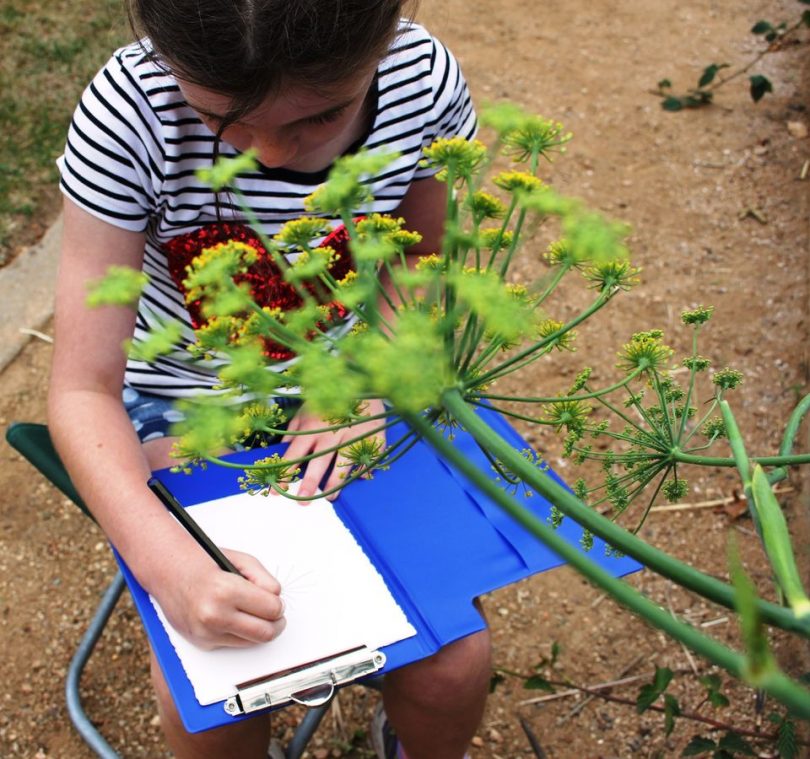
[[777, 543], [507, 259], [666, 421], [278, 331], [775, 683], [737, 446], [651, 440], [699, 424], [555, 280], [540, 351], [789, 436], [686, 458], [741, 461], [793, 425], [584, 397], [661, 563], [496, 245], [692, 374], [279, 259], [651, 501], [448, 254], [502, 368], [355, 474]]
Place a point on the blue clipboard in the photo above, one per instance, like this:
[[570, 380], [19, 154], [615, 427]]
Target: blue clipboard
[[438, 547]]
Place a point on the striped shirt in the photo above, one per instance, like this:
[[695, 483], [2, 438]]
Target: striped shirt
[[134, 145]]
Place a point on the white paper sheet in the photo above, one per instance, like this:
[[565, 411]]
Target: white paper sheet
[[335, 599]]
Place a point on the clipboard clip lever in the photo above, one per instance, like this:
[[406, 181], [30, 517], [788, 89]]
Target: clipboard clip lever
[[310, 685]]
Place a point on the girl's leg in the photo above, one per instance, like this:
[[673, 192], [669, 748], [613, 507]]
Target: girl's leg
[[248, 738], [435, 705]]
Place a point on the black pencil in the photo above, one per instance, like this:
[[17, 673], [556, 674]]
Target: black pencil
[[185, 519]]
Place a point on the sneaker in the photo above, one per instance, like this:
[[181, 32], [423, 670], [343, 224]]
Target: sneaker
[[383, 738]]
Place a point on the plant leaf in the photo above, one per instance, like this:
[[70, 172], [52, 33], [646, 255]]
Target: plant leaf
[[495, 680], [672, 104], [672, 709], [762, 27], [538, 682], [734, 743], [710, 72], [649, 693], [759, 86], [786, 742], [759, 660], [712, 683], [698, 745]]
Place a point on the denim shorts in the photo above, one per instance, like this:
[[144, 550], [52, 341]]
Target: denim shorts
[[153, 415]]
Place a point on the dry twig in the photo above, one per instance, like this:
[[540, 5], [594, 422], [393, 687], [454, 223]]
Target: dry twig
[[710, 504]]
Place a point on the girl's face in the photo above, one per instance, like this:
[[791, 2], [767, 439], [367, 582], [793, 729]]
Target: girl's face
[[297, 129]]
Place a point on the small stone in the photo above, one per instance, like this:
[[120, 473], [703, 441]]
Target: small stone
[[321, 753], [495, 736], [477, 741], [797, 129]]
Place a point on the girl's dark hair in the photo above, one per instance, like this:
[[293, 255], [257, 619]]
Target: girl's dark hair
[[249, 49]]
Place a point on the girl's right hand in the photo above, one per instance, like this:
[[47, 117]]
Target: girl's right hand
[[213, 608]]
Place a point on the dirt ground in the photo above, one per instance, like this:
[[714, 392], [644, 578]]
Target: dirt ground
[[719, 210]]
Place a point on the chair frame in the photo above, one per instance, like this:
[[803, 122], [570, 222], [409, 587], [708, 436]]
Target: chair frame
[[33, 442]]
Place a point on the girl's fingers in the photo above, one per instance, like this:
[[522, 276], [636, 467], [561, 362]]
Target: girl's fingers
[[254, 630], [313, 474], [268, 607], [253, 570], [247, 632], [341, 471]]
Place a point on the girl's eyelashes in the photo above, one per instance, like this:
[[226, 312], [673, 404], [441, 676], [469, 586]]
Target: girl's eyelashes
[[325, 118], [328, 117]]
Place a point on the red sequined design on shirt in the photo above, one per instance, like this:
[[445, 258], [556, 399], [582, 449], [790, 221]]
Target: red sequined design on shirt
[[267, 285]]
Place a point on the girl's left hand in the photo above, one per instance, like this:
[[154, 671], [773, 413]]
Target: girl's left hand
[[304, 445]]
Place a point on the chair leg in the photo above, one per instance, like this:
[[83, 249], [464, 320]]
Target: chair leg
[[94, 739], [312, 719], [78, 717], [305, 731]]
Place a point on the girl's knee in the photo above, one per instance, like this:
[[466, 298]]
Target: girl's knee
[[459, 668], [160, 688]]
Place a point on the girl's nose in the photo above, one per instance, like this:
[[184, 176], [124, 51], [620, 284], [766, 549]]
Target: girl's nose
[[274, 150]]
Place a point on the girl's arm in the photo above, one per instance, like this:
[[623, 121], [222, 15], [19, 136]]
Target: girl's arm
[[109, 467], [423, 209]]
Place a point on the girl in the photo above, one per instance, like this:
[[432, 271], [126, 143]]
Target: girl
[[301, 82]]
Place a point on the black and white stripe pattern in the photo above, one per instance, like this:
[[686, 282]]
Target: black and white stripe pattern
[[134, 145]]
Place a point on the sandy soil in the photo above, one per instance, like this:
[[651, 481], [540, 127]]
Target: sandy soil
[[719, 215]]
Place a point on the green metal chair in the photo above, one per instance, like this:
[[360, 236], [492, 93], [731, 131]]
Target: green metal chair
[[33, 441]]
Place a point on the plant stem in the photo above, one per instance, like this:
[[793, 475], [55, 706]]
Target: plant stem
[[792, 426], [775, 682], [692, 373], [599, 692], [586, 396], [665, 565], [503, 368], [686, 458], [694, 716], [771, 48]]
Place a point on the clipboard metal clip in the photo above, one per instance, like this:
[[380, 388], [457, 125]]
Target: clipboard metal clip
[[310, 685]]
